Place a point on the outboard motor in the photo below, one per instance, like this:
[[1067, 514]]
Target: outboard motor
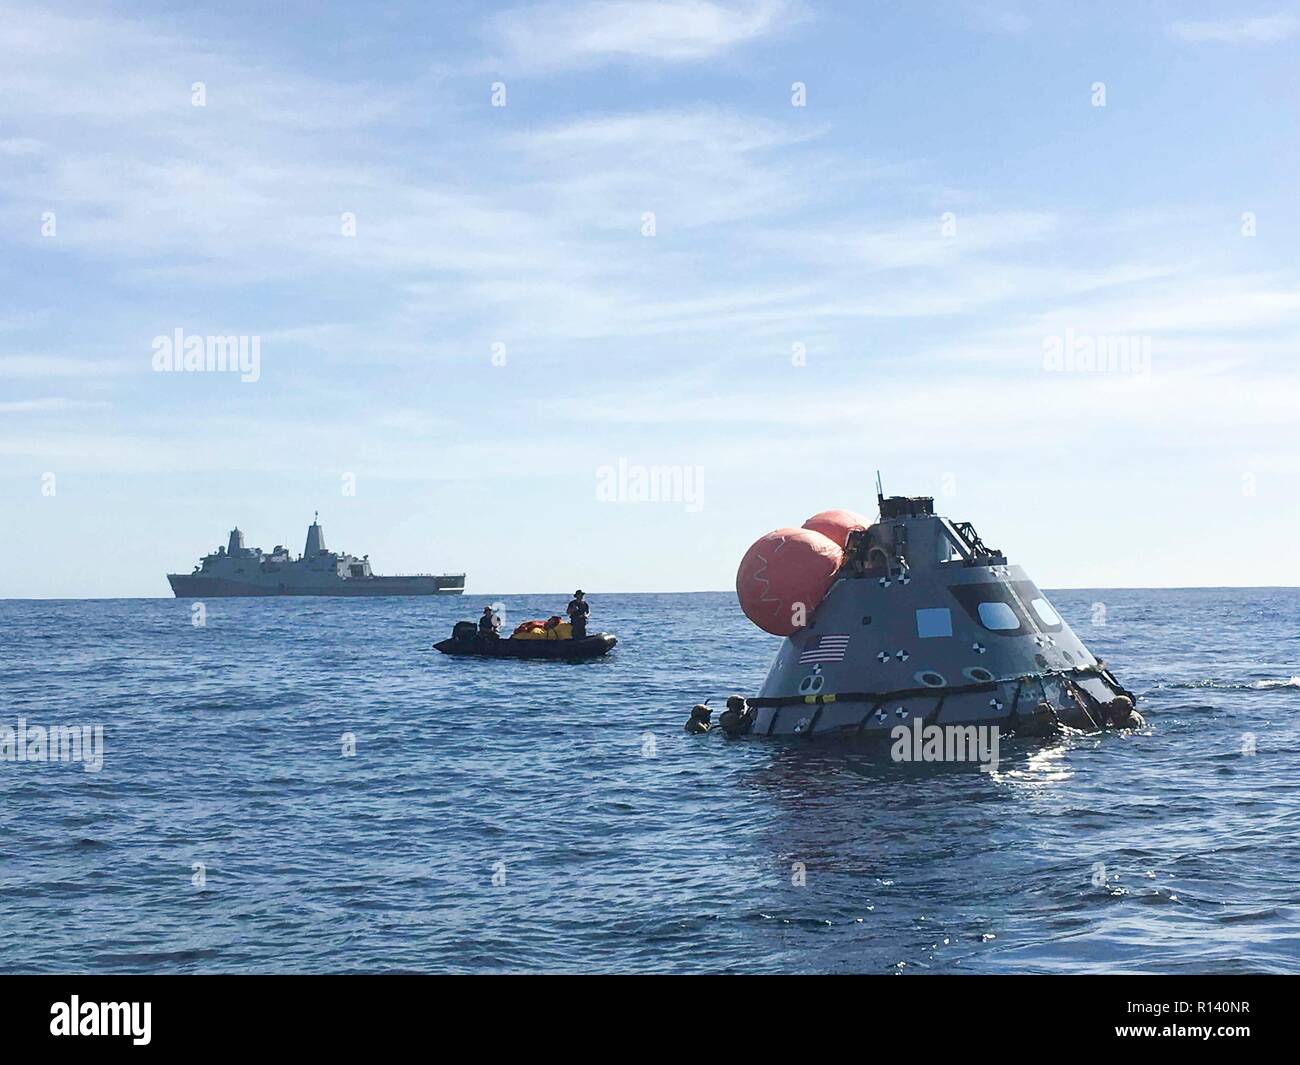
[[464, 631]]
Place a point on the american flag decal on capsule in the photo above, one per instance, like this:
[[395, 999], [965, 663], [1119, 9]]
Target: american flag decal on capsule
[[829, 648]]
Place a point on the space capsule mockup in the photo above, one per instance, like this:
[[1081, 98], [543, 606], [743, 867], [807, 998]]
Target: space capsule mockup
[[913, 620]]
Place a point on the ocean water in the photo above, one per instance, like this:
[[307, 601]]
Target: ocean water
[[528, 816]]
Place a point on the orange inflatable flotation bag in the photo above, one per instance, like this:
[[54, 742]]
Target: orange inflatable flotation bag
[[783, 570], [836, 524], [529, 630]]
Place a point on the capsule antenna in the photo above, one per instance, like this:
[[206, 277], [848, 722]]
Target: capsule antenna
[[880, 491]]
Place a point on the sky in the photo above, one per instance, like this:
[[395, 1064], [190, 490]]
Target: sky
[[506, 265]]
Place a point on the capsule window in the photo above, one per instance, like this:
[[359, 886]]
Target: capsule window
[[998, 616], [1046, 614], [993, 605], [933, 622]]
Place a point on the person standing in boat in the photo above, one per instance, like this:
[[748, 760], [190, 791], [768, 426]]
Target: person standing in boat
[[579, 610], [489, 624]]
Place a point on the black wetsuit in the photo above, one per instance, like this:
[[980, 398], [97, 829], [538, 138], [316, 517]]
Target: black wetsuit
[[578, 611], [488, 626]]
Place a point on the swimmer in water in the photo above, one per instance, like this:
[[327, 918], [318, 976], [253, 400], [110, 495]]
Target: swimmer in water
[[1120, 713], [699, 722], [738, 718]]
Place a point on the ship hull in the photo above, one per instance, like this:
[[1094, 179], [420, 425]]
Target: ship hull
[[195, 586]]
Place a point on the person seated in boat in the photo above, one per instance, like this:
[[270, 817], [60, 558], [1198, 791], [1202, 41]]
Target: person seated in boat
[[699, 721], [578, 610], [489, 624]]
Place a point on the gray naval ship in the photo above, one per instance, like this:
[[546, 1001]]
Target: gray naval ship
[[925, 624], [238, 570]]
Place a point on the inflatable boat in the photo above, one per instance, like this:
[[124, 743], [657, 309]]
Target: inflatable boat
[[474, 645]]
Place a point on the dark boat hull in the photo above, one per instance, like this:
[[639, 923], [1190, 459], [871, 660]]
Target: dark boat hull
[[593, 646]]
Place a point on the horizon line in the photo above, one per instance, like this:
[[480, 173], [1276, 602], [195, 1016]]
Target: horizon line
[[699, 591]]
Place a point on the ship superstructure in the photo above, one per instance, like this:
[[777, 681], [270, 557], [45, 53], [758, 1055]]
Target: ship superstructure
[[235, 570]]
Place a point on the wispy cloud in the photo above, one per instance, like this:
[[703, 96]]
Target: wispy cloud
[[56, 366], [1266, 29], [20, 146], [558, 36], [51, 403], [918, 243], [999, 18]]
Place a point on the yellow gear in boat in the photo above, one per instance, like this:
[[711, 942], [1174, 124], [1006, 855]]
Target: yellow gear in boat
[[561, 630]]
